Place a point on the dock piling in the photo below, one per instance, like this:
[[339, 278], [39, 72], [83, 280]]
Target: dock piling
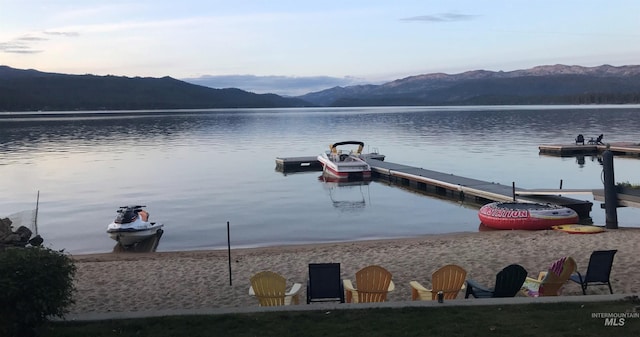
[[610, 193]]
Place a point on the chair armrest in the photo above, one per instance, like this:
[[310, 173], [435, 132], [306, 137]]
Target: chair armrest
[[576, 277], [392, 286], [532, 280], [352, 293], [251, 292], [295, 289], [541, 275], [348, 286], [420, 292], [475, 285], [293, 295]]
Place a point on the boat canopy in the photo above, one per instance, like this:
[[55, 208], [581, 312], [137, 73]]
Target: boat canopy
[[334, 146]]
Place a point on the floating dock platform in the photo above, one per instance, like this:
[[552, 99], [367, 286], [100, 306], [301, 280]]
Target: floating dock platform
[[621, 148], [300, 164], [448, 185]]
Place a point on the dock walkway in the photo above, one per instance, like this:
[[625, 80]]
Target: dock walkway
[[463, 188], [446, 184]]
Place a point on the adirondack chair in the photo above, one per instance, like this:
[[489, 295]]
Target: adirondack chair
[[373, 283], [508, 282], [598, 270], [270, 289], [448, 279], [580, 139], [550, 283]]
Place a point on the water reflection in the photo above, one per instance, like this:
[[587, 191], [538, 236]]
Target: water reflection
[[346, 195]]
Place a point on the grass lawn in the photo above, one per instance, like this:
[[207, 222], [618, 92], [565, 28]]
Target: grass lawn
[[536, 320]]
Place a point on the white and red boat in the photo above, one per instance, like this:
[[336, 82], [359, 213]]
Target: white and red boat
[[345, 164], [524, 215]]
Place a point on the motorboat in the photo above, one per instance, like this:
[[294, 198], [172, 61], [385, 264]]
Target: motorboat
[[132, 226], [345, 164]]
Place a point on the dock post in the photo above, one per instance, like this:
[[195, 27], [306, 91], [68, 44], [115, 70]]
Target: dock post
[[610, 193]]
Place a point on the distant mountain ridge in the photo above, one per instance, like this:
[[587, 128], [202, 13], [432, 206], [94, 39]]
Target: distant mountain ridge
[[549, 84], [32, 90]]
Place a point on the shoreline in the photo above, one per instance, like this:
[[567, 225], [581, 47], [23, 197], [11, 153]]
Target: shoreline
[[199, 279]]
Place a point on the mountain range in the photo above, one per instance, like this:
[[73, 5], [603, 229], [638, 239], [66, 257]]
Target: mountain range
[[554, 84], [32, 90]]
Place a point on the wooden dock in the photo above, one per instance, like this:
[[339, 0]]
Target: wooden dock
[[447, 185], [621, 148]]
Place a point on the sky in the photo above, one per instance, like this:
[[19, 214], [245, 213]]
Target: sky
[[294, 47]]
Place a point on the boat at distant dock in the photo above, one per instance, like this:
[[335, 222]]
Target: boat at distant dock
[[524, 215], [345, 164]]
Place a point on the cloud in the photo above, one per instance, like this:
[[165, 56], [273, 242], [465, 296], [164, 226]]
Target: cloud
[[442, 17], [70, 34], [27, 44], [281, 85]]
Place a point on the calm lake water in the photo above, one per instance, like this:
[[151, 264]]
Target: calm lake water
[[197, 170]]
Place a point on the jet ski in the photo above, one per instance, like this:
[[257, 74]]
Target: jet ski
[[132, 225]]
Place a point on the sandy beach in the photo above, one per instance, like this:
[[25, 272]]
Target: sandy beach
[[124, 282]]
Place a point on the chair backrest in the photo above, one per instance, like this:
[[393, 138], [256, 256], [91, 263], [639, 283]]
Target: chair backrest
[[448, 279], [600, 264], [269, 288], [509, 281], [325, 282], [557, 275], [373, 284], [580, 139]]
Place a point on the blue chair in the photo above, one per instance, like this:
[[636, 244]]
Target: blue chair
[[598, 270], [324, 283]]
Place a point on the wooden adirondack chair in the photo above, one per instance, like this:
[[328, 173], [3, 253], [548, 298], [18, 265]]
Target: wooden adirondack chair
[[448, 279], [373, 283], [550, 283], [270, 289]]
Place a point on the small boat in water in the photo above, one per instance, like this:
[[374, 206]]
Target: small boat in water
[[132, 226], [524, 215], [345, 164]]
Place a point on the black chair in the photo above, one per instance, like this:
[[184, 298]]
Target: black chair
[[598, 270], [580, 139], [324, 283], [508, 282]]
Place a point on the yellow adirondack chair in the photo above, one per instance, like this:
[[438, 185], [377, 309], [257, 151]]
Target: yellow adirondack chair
[[270, 289], [448, 279], [373, 282], [550, 283]]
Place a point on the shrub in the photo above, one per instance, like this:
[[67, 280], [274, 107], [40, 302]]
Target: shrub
[[35, 284]]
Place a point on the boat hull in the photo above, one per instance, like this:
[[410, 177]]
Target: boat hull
[[351, 168], [527, 216], [131, 236]]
